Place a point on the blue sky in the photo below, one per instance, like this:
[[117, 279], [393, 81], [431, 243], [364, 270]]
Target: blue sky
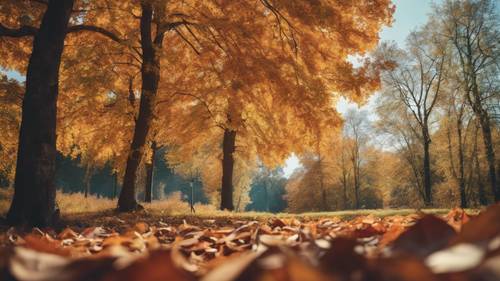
[[409, 15]]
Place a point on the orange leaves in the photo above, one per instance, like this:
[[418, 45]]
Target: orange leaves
[[420, 248]]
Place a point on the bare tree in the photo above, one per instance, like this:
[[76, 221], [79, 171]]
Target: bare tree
[[415, 83], [356, 128]]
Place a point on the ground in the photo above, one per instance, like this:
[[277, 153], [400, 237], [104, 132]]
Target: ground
[[160, 244]]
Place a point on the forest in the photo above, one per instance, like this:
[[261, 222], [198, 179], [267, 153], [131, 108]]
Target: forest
[[289, 139]]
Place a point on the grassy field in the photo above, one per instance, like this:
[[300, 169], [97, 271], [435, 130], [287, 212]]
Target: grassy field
[[80, 211]]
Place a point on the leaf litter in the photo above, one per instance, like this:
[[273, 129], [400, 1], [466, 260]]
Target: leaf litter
[[456, 246]]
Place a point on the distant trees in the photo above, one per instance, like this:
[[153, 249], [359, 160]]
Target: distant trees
[[448, 92], [472, 27], [267, 191]]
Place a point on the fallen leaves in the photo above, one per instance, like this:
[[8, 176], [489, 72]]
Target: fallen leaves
[[416, 247]]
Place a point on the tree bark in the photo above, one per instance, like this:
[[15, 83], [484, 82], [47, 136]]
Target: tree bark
[[228, 148], [427, 169], [34, 186], [150, 72], [150, 169]]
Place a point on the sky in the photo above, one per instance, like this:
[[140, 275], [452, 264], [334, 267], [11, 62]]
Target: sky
[[409, 15]]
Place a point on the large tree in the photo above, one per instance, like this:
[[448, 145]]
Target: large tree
[[414, 83], [472, 27], [47, 22]]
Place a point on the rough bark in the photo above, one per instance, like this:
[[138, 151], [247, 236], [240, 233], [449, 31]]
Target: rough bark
[[150, 169], [34, 186], [150, 72], [228, 148]]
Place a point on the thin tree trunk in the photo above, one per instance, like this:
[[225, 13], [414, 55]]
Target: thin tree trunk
[[461, 178], [150, 72], [150, 167], [87, 179], [34, 186], [228, 148], [115, 184], [427, 169], [344, 179]]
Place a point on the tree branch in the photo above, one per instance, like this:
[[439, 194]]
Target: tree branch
[[100, 30], [23, 31]]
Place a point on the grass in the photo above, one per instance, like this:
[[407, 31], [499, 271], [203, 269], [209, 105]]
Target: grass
[[80, 211]]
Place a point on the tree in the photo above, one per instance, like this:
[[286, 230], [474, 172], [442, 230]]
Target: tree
[[267, 191], [11, 92], [472, 27], [415, 83], [34, 189], [356, 129], [301, 82], [34, 196]]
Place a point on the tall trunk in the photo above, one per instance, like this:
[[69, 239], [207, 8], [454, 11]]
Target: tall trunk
[[115, 184], [461, 177], [150, 169], [427, 169], [324, 202], [344, 179], [150, 73], [490, 155], [87, 179], [483, 200], [356, 190], [484, 121], [355, 169], [344, 184], [34, 185], [228, 148]]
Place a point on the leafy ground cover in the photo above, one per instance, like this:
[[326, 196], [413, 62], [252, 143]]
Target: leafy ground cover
[[390, 245]]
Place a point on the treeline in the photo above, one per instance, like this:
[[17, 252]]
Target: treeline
[[436, 136]]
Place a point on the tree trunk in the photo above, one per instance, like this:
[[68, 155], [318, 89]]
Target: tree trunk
[[228, 148], [150, 73], [355, 168], [115, 184], [150, 169], [461, 177], [87, 179], [490, 155], [34, 186], [324, 202], [427, 170]]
